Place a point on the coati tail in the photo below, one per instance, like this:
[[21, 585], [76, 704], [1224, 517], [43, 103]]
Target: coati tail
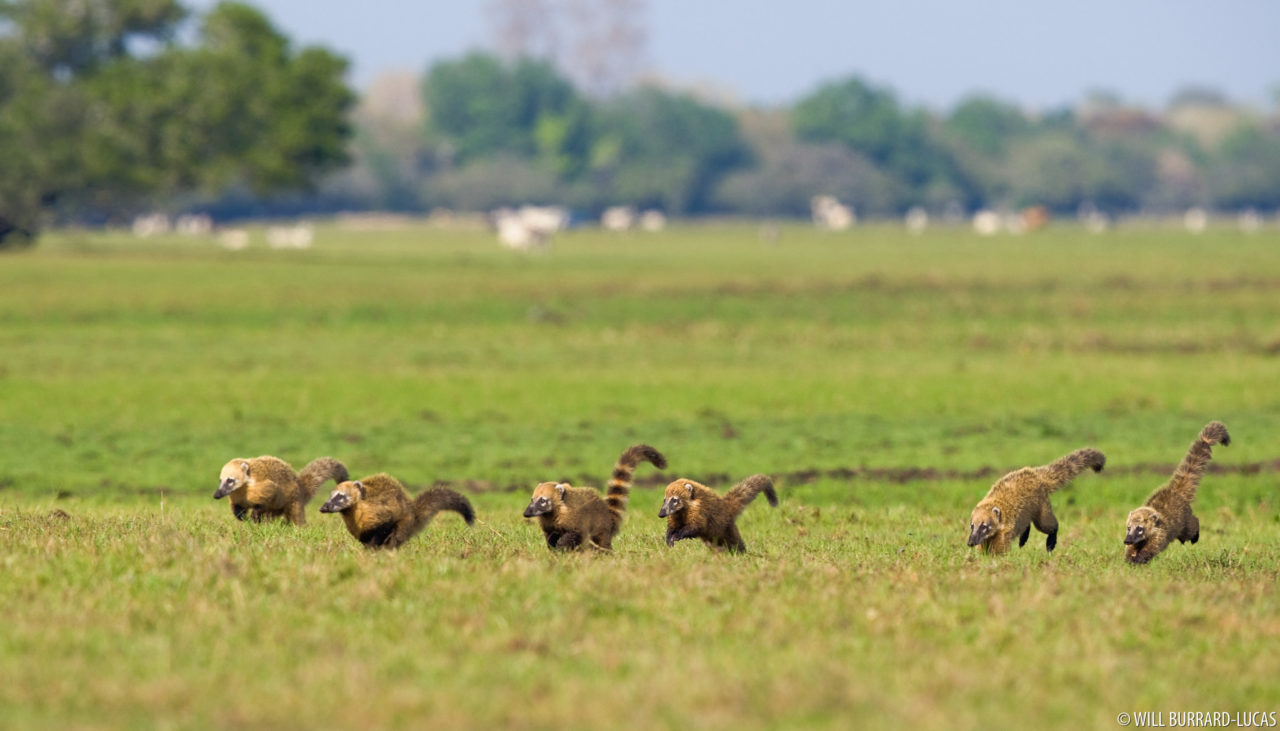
[[624, 472], [436, 499], [1186, 478], [744, 492], [317, 471], [1062, 471], [1215, 432]]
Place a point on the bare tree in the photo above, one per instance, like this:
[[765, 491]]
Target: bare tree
[[598, 44], [523, 28], [609, 37]]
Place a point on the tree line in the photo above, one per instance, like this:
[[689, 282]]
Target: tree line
[[106, 108], [499, 133], [113, 107]]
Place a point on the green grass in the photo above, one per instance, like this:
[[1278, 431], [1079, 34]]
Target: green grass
[[885, 380]]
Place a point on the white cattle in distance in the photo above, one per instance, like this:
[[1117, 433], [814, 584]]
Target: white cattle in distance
[[234, 239], [829, 214], [987, 222], [1249, 221], [916, 220], [1195, 220], [194, 224], [618, 218], [151, 224], [529, 227], [653, 220], [298, 236]]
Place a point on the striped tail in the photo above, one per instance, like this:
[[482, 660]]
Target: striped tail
[[1186, 478], [624, 471], [317, 471], [1215, 432], [426, 505], [1058, 473], [744, 492]]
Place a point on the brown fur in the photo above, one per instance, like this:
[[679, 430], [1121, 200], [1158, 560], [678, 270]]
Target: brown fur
[[694, 510], [267, 487], [1167, 513], [573, 516], [378, 512], [1020, 500]]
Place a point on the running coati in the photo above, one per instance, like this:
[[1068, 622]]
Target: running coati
[[1167, 513], [267, 487], [571, 516], [694, 510], [378, 512], [1020, 499]]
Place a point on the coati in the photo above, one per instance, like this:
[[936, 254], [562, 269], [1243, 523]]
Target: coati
[[1167, 513], [267, 487], [379, 513], [694, 510], [573, 516], [1020, 499]]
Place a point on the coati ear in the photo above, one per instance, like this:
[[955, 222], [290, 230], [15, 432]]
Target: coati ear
[[360, 486], [245, 466], [689, 487], [1155, 519], [560, 489], [997, 512]]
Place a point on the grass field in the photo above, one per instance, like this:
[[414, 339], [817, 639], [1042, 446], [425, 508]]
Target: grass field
[[885, 381]]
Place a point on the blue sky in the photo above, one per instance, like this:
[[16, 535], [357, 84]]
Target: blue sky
[[1036, 53]]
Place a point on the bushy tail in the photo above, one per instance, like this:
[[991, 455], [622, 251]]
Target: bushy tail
[[1186, 478], [426, 505], [624, 471], [1064, 470], [1215, 432], [744, 492], [317, 471]]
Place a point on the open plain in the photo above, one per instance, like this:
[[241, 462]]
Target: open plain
[[883, 380]]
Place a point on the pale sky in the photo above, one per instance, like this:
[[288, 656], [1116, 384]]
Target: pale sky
[[1039, 54]]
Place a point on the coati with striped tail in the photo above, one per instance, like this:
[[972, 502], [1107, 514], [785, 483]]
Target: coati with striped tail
[[694, 510], [573, 516], [378, 512], [1020, 500], [1167, 513], [267, 487]]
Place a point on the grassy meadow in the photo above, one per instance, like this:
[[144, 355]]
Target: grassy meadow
[[884, 380]]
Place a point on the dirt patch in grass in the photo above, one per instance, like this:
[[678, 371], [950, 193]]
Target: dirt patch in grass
[[895, 475]]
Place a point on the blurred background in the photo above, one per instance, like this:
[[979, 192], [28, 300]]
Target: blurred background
[[147, 112]]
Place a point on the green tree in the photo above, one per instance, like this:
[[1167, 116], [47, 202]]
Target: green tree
[[72, 37], [869, 121], [1245, 170], [485, 108], [109, 110], [36, 116], [665, 150], [986, 124], [1062, 170]]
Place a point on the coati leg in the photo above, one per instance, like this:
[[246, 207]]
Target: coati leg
[[679, 534], [733, 540], [240, 511], [1022, 540], [604, 543], [1046, 523], [376, 537], [297, 515], [999, 543], [567, 541], [1192, 531], [1144, 554]]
